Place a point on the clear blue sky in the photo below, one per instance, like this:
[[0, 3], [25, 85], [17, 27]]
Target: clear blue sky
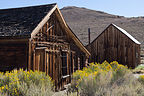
[[128, 8]]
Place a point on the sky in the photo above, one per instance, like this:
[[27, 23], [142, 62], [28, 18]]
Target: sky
[[127, 8]]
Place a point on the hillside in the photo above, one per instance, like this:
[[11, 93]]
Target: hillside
[[80, 19]]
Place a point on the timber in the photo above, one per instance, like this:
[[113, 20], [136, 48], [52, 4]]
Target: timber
[[115, 44], [45, 43]]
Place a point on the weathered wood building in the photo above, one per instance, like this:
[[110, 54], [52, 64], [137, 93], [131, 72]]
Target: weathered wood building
[[115, 44], [38, 38]]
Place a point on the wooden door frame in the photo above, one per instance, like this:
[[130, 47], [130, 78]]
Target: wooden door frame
[[42, 49]]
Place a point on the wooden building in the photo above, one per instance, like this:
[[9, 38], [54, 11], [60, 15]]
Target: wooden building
[[115, 44], [38, 38]]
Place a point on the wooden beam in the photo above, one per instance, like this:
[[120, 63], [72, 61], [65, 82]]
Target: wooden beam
[[29, 58], [34, 61], [47, 45], [48, 50], [54, 71], [70, 33], [50, 63], [68, 63], [47, 32], [47, 62], [40, 47], [14, 40], [45, 19]]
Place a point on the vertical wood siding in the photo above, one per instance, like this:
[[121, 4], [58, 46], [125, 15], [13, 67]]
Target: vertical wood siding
[[43, 52], [46, 52], [13, 56], [113, 45]]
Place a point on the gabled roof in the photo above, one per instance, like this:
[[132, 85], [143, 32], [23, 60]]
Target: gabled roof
[[65, 26], [127, 34], [121, 30], [22, 21], [27, 21]]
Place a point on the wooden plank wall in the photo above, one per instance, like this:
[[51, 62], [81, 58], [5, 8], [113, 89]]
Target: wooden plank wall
[[113, 45], [13, 55], [45, 52]]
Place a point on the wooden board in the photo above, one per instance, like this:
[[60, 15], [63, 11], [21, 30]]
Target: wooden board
[[114, 45]]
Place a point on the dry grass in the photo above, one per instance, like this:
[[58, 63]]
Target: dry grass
[[110, 80]]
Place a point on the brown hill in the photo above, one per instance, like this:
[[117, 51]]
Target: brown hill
[[80, 19]]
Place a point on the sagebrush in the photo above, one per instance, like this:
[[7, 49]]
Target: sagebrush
[[25, 83], [106, 79]]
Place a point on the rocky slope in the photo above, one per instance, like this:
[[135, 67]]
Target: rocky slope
[[80, 19]]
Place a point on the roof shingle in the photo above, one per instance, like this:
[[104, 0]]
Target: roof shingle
[[22, 21]]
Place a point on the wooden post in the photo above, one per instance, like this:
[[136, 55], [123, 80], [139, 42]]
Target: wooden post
[[73, 62], [54, 71], [86, 62], [29, 59], [34, 60], [78, 63], [47, 57], [50, 63], [89, 35], [45, 61]]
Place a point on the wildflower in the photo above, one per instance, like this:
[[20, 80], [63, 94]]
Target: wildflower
[[93, 70], [2, 87]]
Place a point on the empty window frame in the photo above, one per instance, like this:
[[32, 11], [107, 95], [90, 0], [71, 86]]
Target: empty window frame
[[64, 63]]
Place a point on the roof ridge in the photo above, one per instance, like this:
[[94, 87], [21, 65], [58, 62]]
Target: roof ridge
[[27, 6], [126, 33]]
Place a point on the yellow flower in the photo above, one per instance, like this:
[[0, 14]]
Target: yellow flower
[[2, 87], [6, 86], [142, 77]]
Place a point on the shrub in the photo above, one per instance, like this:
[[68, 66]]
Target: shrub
[[25, 83], [139, 69], [106, 79], [141, 79]]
